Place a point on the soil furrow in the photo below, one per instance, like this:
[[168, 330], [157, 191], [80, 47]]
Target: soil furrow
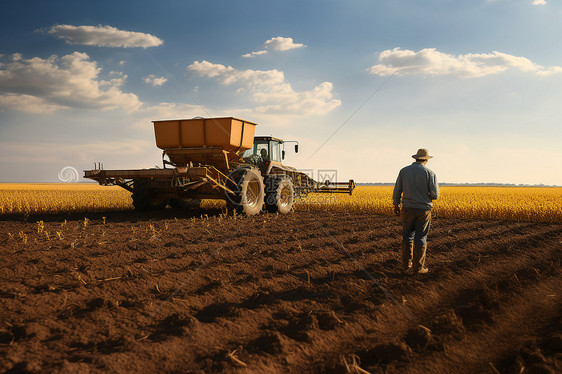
[[174, 291]]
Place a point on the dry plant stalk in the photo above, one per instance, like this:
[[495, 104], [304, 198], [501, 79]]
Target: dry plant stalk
[[236, 360], [353, 367]]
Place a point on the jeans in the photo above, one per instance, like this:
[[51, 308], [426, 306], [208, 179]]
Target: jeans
[[415, 223]]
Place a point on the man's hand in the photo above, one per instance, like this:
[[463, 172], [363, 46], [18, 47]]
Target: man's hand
[[397, 210]]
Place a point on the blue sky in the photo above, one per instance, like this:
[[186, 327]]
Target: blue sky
[[477, 82]]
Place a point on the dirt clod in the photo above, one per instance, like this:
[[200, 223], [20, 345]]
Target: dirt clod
[[270, 342], [217, 310], [37, 331], [385, 353], [96, 303], [328, 321], [176, 324], [418, 337], [447, 323]]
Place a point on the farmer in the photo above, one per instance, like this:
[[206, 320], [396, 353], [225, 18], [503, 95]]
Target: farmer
[[416, 186], [264, 155]]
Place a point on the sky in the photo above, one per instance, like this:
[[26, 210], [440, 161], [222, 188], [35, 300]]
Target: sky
[[361, 85]]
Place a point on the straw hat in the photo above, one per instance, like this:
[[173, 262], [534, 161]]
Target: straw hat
[[423, 154]]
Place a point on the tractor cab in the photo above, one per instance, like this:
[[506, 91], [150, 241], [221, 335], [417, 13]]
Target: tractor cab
[[270, 147], [266, 147], [267, 152]]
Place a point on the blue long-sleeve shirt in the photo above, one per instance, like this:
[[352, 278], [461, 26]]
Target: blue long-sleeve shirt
[[418, 185]]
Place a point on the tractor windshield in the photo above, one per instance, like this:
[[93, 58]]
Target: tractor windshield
[[260, 147], [267, 150]]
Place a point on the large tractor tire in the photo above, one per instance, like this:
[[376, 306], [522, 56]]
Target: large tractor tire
[[279, 194], [249, 191], [145, 198]]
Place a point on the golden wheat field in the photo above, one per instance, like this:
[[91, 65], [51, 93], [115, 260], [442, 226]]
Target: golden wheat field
[[60, 198], [512, 203]]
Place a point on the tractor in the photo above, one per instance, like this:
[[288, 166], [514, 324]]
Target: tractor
[[217, 158]]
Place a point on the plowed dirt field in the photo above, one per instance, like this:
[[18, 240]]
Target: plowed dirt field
[[305, 292]]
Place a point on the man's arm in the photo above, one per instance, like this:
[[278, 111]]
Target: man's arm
[[433, 187], [397, 193]]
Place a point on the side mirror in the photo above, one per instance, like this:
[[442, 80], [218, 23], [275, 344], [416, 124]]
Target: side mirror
[[296, 148], [282, 154]]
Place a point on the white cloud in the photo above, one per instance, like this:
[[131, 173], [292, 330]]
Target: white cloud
[[278, 43], [254, 54], [281, 44], [270, 91], [228, 75], [71, 81], [28, 103], [550, 70], [539, 2], [104, 36], [154, 81], [429, 61]]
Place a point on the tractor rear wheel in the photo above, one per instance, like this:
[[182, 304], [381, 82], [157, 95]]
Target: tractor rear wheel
[[248, 191], [280, 194]]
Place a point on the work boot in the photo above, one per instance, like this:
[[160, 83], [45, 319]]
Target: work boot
[[418, 263], [406, 255]]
